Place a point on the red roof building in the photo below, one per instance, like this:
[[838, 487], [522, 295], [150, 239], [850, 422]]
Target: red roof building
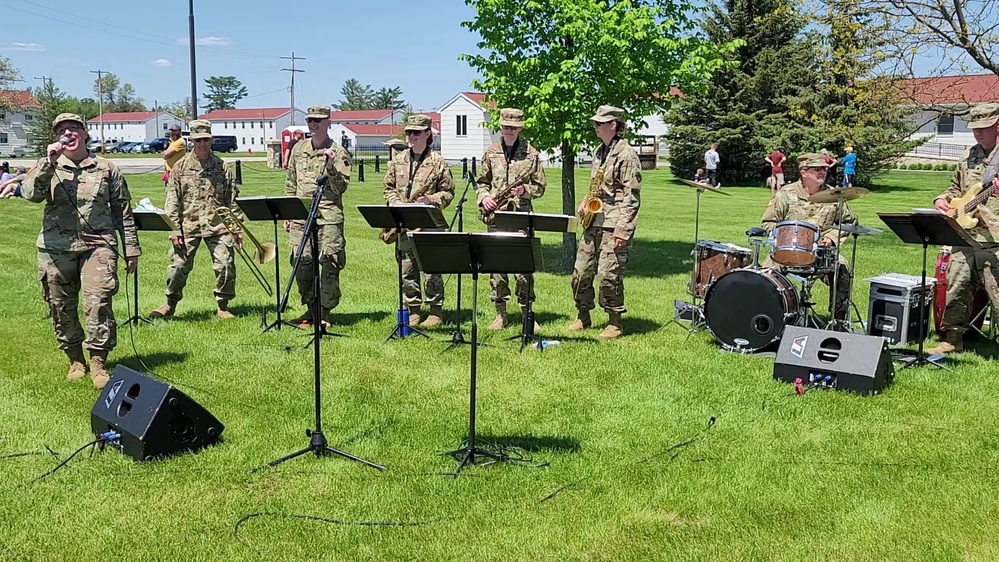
[[950, 90], [18, 99]]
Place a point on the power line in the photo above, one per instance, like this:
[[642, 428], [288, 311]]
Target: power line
[[46, 80], [293, 71]]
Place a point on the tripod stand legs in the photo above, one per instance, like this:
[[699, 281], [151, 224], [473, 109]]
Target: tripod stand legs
[[319, 446]]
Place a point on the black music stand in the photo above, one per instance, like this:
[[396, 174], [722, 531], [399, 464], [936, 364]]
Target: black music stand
[[926, 228], [529, 223], [457, 338], [146, 220], [474, 253], [274, 209], [403, 217]]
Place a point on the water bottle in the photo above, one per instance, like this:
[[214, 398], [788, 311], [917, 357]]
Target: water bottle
[[545, 344], [402, 317]]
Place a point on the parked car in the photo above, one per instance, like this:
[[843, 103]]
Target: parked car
[[96, 146], [14, 152], [158, 144], [123, 147], [137, 148], [224, 143]]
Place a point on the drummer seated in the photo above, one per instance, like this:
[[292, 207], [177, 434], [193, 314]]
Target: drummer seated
[[799, 227]]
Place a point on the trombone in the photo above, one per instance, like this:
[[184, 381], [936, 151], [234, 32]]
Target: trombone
[[262, 254]]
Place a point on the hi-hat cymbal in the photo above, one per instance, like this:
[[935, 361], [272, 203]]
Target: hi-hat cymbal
[[837, 194], [857, 229], [704, 186]]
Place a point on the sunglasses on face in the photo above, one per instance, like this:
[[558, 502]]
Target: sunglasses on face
[[313, 120], [509, 128], [413, 133], [202, 140], [73, 129]]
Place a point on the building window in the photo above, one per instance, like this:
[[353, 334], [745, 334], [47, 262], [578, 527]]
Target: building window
[[945, 125], [166, 126], [28, 117], [261, 140], [226, 126], [261, 124], [244, 124], [244, 140], [251, 124], [3, 138], [461, 125]]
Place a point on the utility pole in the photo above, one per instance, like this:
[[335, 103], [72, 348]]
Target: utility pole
[[100, 101], [292, 70], [156, 108], [46, 81], [194, 64]]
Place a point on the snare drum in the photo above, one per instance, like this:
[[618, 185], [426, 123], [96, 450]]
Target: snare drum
[[794, 243], [712, 260], [748, 309]]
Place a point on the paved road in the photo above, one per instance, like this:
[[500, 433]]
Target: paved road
[[139, 165]]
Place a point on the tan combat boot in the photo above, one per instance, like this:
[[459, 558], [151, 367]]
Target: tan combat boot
[[77, 363], [98, 368], [523, 312], [581, 322], [500, 321], [613, 329], [952, 342], [165, 311], [414, 316], [325, 316], [434, 318], [223, 311]]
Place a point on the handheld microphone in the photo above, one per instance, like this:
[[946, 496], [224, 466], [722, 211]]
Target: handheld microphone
[[64, 140]]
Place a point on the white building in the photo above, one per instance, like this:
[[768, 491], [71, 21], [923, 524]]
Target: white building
[[463, 129], [367, 117], [16, 122], [371, 137], [136, 126], [252, 127], [941, 101]]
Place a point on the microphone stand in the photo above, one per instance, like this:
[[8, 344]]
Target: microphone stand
[[317, 441], [457, 338]]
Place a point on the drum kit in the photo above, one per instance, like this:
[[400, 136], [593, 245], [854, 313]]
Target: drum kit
[[746, 306]]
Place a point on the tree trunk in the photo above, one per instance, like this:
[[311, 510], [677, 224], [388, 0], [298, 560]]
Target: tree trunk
[[568, 204]]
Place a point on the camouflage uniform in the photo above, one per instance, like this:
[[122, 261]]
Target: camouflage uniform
[[969, 268], [501, 167], [194, 191], [86, 205], [431, 177], [791, 204], [620, 194], [305, 166]]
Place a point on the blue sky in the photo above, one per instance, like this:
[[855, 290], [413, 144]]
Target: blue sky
[[413, 45]]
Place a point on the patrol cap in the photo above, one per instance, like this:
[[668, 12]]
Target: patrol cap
[[983, 115], [418, 122], [72, 117], [811, 160], [200, 129], [510, 117], [608, 113], [318, 112]]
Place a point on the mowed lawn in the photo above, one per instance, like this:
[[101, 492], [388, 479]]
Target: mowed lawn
[[655, 447]]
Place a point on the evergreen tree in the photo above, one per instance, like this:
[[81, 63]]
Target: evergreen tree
[[51, 103], [774, 65]]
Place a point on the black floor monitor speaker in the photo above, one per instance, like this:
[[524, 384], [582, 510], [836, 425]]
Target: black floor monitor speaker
[[152, 418], [821, 358]]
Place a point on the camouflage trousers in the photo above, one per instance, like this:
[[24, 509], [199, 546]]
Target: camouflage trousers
[[968, 270], [332, 259], [411, 279], [499, 283], [63, 275], [839, 304], [182, 262], [596, 257]]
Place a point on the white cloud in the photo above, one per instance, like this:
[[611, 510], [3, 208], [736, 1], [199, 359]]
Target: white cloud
[[27, 47], [213, 41], [162, 63]]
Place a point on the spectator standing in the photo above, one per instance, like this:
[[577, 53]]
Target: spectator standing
[[174, 152], [776, 160], [711, 161], [849, 166], [831, 162]]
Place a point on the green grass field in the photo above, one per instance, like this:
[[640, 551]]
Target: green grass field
[[626, 463]]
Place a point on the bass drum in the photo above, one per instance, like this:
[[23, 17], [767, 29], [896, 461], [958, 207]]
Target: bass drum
[[748, 309], [979, 303]]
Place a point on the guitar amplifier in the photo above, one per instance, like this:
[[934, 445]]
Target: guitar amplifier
[[893, 311]]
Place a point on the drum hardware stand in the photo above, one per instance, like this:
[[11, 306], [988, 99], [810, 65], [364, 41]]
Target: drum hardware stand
[[834, 323], [809, 318], [683, 308]]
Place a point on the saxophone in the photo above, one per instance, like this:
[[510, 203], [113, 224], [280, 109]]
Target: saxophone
[[504, 197], [591, 203]]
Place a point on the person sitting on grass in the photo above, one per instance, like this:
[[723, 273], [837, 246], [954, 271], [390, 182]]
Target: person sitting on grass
[[12, 187], [699, 176]]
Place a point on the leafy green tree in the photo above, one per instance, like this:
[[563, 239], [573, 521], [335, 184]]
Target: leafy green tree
[[181, 109], [355, 96], [223, 93], [561, 59], [52, 101], [8, 75], [743, 108], [388, 98], [117, 96]]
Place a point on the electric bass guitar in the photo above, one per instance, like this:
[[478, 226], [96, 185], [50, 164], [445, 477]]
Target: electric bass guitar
[[966, 206]]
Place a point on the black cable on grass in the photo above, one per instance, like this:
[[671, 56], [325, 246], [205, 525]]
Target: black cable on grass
[[69, 458], [675, 449]]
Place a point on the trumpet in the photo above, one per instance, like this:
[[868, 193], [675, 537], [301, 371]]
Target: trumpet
[[262, 254]]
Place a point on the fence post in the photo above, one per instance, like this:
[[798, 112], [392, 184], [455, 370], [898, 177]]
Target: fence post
[[360, 171], [239, 172], [473, 166], [378, 163], [464, 167]]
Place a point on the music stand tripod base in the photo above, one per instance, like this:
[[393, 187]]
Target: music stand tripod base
[[147, 220]]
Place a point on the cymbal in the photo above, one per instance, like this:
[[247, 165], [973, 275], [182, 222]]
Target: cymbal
[[837, 194], [704, 186], [857, 229]]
